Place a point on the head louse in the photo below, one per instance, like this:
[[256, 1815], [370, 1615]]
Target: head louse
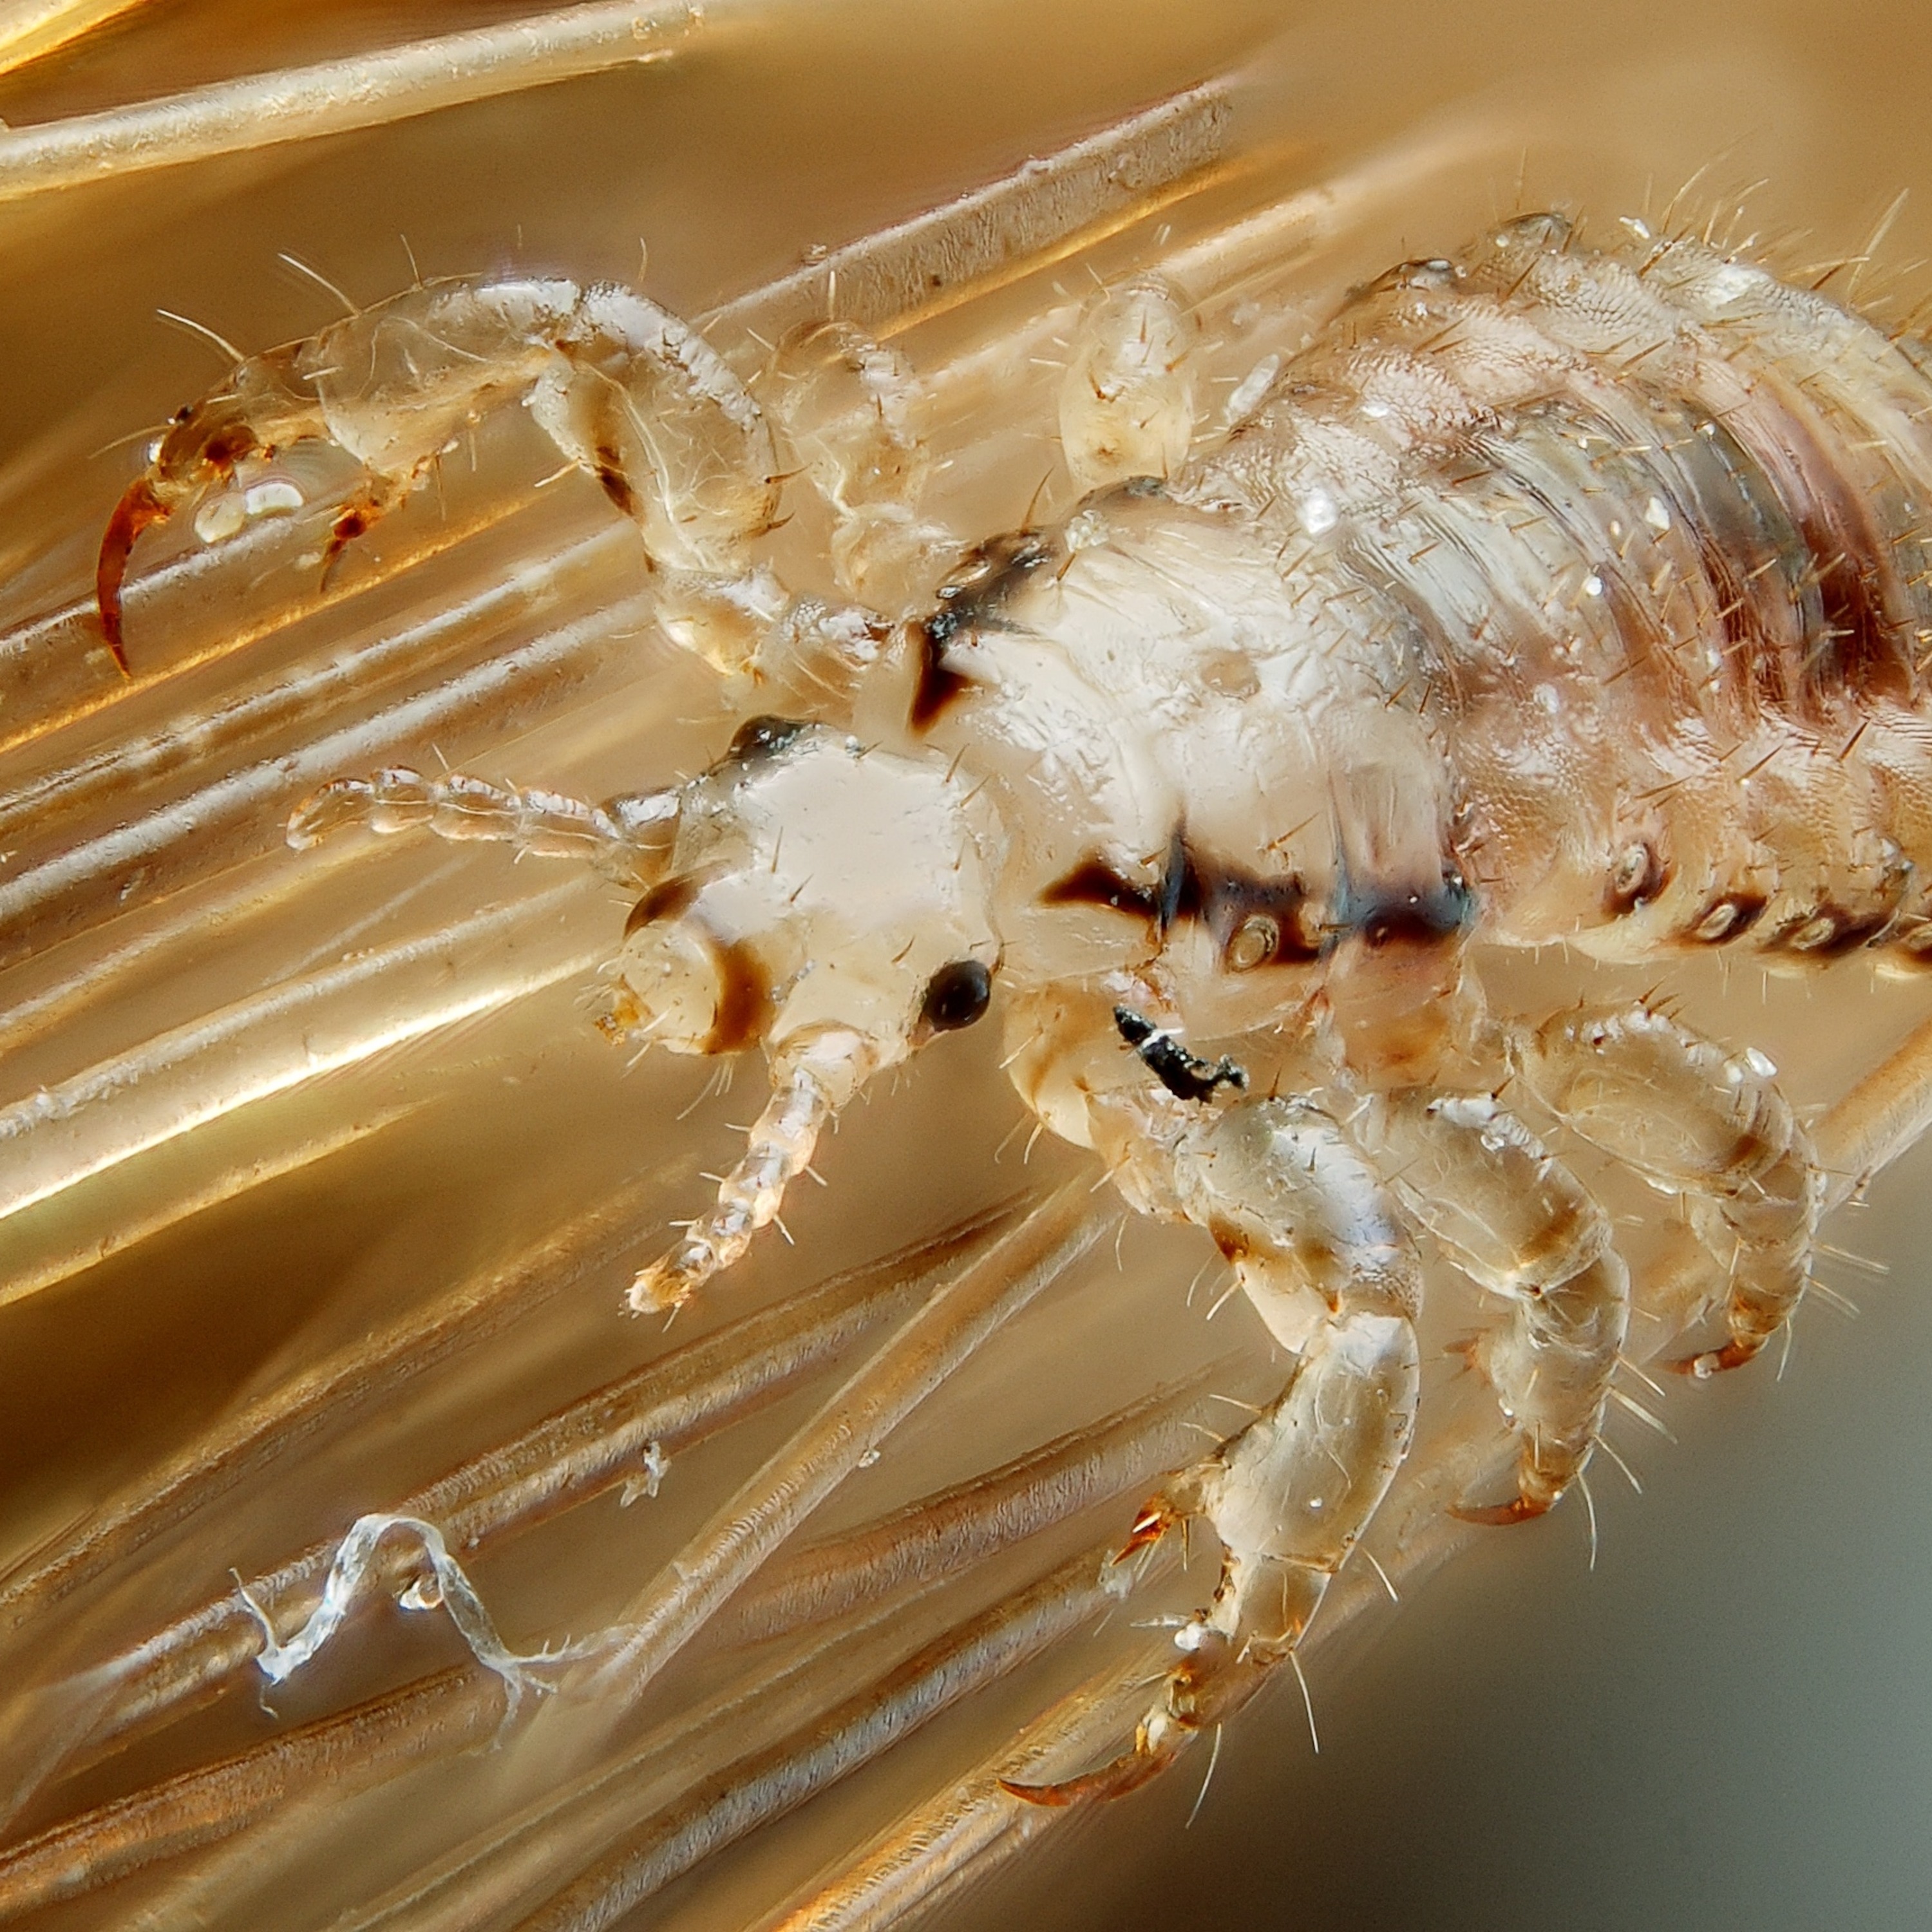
[[1296, 600]]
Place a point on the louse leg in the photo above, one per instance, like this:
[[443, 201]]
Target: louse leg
[[1704, 1122], [1126, 403], [852, 414], [627, 836], [1888, 1111], [951, 1840], [1522, 1226], [625, 391], [988, 234], [1320, 1250]]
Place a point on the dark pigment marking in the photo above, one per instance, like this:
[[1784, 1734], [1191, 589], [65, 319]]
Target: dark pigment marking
[[1227, 899], [1745, 909], [617, 484], [1636, 885], [972, 600], [1849, 930], [1186, 1076], [1094, 882], [667, 899], [744, 987], [744, 997]]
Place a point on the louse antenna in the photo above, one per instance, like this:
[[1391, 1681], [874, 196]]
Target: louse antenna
[[189, 326]]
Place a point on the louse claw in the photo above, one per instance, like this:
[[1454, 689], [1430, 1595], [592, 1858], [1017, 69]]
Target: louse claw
[[139, 508], [1272, 1493], [1157, 1517], [1518, 1509], [1126, 1773], [1709, 1362]]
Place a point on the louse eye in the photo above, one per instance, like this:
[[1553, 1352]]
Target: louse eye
[[1255, 943], [957, 995]]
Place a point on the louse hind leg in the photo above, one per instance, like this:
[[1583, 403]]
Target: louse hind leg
[[1523, 1228], [1710, 1124], [1319, 1248], [627, 837]]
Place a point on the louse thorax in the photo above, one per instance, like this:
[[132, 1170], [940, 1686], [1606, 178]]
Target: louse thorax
[[814, 887], [1208, 777]]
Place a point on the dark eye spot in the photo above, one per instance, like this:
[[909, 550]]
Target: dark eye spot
[[956, 996], [763, 738]]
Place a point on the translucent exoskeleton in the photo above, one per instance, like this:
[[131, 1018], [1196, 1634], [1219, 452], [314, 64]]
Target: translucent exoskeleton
[[1306, 729]]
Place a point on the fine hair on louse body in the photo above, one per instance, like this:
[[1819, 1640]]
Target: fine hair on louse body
[[1550, 594]]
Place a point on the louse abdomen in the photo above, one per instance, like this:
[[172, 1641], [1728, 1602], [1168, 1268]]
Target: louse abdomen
[[1643, 530]]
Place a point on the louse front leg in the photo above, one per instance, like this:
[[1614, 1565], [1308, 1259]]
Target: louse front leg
[[625, 390], [1319, 1248], [1706, 1122], [627, 837], [1523, 1228]]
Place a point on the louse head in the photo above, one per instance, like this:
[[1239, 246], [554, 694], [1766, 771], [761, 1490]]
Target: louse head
[[813, 884]]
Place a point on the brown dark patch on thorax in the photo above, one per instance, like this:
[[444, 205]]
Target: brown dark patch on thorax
[[1095, 883], [972, 599]]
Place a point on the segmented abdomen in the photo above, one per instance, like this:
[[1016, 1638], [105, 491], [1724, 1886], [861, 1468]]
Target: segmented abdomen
[[1644, 529]]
